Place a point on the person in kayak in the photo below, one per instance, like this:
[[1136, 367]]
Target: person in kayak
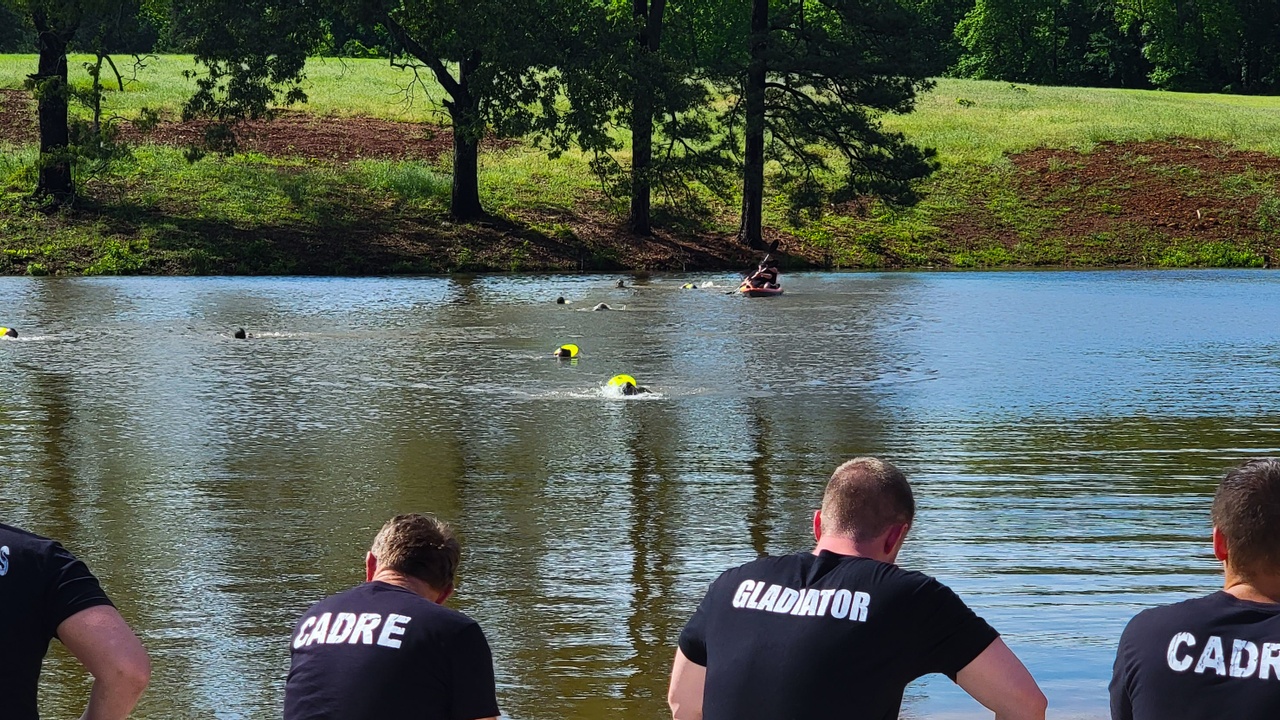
[[389, 648], [841, 631], [765, 276], [1216, 656]]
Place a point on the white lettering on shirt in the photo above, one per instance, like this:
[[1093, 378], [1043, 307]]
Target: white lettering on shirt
[[805, 602], [861, 601], [1248, 652], [811, 603], [770, 598], [345, 627], [1212, 657], [787, 600], [841, 603], [302, 632], [1270, 661], [393, 627], [363, 632], [825, 599], [1177, 664], [343, 624], [804, 598], [321, 629]]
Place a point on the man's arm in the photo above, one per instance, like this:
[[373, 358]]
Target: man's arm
[[685, 694], [999, 680], [103, 642]]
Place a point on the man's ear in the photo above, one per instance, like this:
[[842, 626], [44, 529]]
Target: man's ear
[[817, 524], [445, 595], [894, 539], [370, 566], [1219, 545]]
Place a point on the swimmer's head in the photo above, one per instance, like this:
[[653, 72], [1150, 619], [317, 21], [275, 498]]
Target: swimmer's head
[[560, 300], [8, 332], [566, 351], [239, 334]]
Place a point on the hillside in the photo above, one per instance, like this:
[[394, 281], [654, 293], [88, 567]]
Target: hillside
[[356, 182]]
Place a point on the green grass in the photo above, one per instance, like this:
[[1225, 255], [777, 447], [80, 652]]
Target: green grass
[[1006, 119], [334, 86], [251, 213]]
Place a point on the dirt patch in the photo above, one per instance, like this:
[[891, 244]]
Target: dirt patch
[[17, 117], [1117, 201], [332, 139], [289, 135], [1179, 187]]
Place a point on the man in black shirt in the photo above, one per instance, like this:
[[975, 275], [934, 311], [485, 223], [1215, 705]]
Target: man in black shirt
[[1216, 656], [840, 631], [45, 592], [389, 648]]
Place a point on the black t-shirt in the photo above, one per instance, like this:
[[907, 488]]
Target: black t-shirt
[[41, 584], [1211, 657], [381, 652], [825, 636]]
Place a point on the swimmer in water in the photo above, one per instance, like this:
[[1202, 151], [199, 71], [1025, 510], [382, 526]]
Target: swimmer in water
[[602, 306], [566, 352], [8, 332], [628, 385]]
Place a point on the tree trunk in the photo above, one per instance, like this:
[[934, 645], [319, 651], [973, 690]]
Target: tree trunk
[[468, 126], [647, 45], [55, 181], [751, 232]]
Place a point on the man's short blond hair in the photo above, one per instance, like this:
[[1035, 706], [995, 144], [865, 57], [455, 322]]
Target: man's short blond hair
[[864, 497], [420, 546]]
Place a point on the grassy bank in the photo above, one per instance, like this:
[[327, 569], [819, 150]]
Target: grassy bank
[[1031, 176]]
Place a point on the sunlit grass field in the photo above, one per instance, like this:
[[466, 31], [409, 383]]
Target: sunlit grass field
[[974, 125], [963, 119]]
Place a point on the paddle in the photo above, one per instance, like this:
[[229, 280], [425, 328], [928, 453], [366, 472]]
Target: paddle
[[773, 248]]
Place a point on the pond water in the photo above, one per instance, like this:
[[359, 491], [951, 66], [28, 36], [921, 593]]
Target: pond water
[[1064, 433]]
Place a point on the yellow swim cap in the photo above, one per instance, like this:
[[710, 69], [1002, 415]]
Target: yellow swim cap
[[567, 351], [620, 380]]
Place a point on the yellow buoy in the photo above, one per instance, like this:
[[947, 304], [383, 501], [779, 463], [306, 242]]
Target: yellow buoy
[[8, 332], [621, 380], [566, 351]]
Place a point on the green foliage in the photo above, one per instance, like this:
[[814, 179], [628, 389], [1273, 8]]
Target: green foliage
[[1053, 42], [16, 34], [1211, 45], [254, 53], [836, 68]]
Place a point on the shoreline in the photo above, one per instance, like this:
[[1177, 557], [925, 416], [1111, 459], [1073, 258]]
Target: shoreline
[[366, 196]]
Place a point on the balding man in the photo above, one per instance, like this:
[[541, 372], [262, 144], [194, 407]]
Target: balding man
[[389, 648], [1216, 656], [839, 632]]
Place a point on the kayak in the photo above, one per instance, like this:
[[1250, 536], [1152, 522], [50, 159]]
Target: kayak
[[750, 291]]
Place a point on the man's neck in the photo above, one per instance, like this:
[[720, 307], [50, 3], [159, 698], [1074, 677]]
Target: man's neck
[[1260, 590], [848, 546], [412, 584]]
